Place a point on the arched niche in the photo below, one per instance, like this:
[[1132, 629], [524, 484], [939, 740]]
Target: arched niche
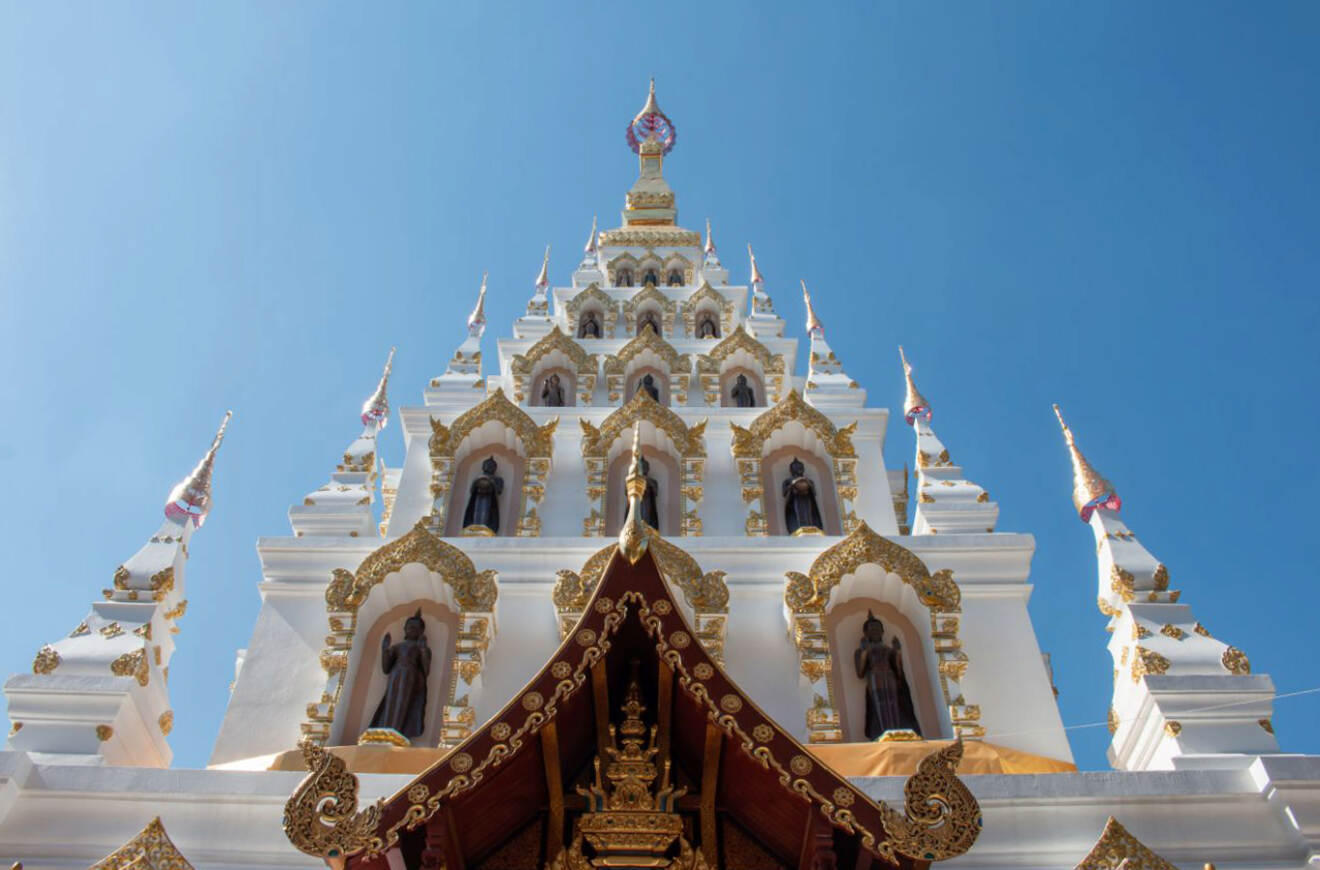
[[650, 301], [793, 423], [554, 352], [708, 300], [740, 352], [650, 270], [510, 466], [844, 625], [663, 434], [667, 471], [678, 265], [796, 442], [366, 685], [639, 369], [622, 270], [567, 383], [416, 567], [499, 427], [595, 300], [648, 350], [866, 567], [729, 378]]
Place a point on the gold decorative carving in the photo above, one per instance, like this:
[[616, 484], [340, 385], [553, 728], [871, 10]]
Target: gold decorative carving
[[132, 664], [1122, 582], [1173, 631], [104, 733], [523, 364], [941, 819], [1112, 721], [1266, 724], [573, 309], [1117, 849], [1201, 630], [473, 590], [1235, 661], [321, 818], [725, 308], [166, 722], [677, 363], [150, 849], [863, 546], [690, 442], [651, 237], [749, 443], [46, 660], [1172, 727], [1146, 661], [633, 305], [538, 441]]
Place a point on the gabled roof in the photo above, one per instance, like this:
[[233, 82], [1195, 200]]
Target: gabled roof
[[529, 766]]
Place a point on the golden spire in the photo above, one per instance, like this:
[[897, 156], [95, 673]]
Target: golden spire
[[651, 107], [914, 404], [191, 497], [633, 538], [543, 279], [756, 272], [477, 319], [590, 247], [813, 322], [376, 409], [710, 241], [1090, 489]]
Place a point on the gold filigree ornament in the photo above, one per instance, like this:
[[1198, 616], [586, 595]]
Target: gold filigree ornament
[[46, 660], [1117, 848], [941, 818], [321, 818], [1235, 662], [749, 443], [150, 849]]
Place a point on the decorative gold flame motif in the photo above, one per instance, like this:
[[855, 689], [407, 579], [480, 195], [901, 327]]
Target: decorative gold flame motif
[[633, 539], [321, 817], [630, 820]]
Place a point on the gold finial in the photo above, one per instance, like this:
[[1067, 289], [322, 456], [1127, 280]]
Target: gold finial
[[651, 107], [710, 240], [376, 409], [914, 404], [191, 497], [1090, 489], [633, 540], [543, 279], [756, 272], [813, 322]]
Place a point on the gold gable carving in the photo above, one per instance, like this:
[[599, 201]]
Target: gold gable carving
[[709, 363], [937, 591], [554, 340], [704, 592], [538, 441], [678, 363], [707, 293], [689, 441], [1117, 848], [631, 305], [749, 443], [593, 293], [150, 849]]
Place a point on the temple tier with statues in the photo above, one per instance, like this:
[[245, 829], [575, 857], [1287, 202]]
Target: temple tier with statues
[[640, 594]]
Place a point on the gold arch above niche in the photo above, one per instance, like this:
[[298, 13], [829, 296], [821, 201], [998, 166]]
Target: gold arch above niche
[[633, 304], [706, 593], [808, 599], [150, 849], [523, 366], [474, 595], [573, 308], [623, 261], [707, 293], [689, 441], [709, 364], [1117, 848], [678, 364], [749, 447], [537, 444], [677, 261]]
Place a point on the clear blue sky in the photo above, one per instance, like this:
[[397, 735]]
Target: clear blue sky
[[1111, 206]]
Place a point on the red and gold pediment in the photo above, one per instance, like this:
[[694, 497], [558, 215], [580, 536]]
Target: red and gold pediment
[[631, 747]]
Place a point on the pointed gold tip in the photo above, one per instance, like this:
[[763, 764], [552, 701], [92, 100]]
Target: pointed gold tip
[[1090, 489], [756, 271], [914, 403], [544, 277], [633, 539], [813, 322]]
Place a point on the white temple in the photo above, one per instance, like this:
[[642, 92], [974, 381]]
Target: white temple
[[777, 527]]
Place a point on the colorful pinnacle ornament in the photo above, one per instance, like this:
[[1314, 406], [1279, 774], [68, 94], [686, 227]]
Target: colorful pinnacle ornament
[[651, 124]]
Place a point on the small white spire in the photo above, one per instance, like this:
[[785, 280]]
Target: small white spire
[[710, 239], [477, 319], [376, 409], [543, 279], [190, 499], [814, 326], [590, 247]]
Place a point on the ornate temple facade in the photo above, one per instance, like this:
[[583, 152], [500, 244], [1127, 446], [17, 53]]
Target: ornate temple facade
[[643, 593]]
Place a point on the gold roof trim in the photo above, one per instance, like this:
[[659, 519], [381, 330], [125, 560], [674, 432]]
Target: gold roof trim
[[806, 593], [737, 340], [678, 363], [150, 849], [690, 441], [554, 340], [748, 443], [538, 441], [1117, 848]]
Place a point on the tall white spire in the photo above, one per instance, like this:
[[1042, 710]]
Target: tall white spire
[[827, 383], [947, 502], [1181, 698], [101, 693], [536, 322], [342, 506]]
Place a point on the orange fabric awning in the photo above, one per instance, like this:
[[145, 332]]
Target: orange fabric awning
[[900, 757]]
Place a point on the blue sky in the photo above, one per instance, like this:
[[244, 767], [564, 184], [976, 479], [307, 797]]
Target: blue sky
[[1111, 206]]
